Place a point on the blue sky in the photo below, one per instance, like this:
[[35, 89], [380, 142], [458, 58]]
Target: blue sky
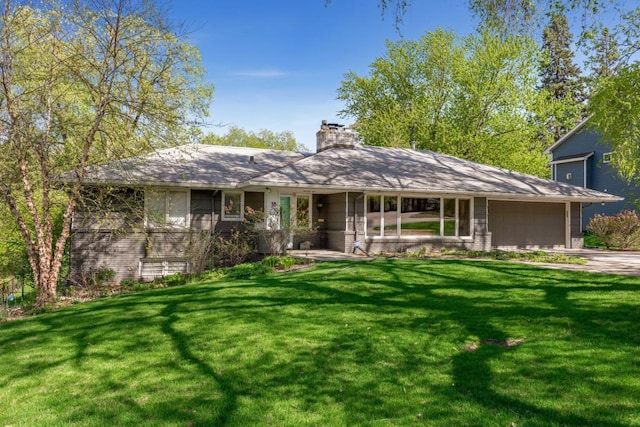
[[277, 64]]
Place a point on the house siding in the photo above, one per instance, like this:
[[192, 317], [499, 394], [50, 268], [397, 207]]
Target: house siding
[[577, 239], [334, 211], [482, 240], [254, 200], [95, 250], [202, 213], [600, 176], [120, 242], [571, 173]]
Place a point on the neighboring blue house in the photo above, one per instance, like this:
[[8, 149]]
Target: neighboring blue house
[[581, 158]]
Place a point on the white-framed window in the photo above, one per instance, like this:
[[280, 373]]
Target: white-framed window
[[422, 216], [232, 205], [167, 208], [606, 157]]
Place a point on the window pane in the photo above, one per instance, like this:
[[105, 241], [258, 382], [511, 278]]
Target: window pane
[[373, 215], [420, 216], [464, 217], [390, 215], [449, 214], [156, 208], [232, 205], [302, 212], [177, 208]]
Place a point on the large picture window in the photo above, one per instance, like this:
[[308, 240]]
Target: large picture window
[[390, 216], [393, 216], [167, 208], [449, 217], [420, 216]]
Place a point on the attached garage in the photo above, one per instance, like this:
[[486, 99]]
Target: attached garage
[[527, 224]]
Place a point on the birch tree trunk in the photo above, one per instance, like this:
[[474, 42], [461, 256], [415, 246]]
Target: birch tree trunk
[[82, 84]]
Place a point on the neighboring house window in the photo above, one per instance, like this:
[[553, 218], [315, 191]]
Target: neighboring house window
[[167, 208], [606, 157], [232, 206], [417, 216]]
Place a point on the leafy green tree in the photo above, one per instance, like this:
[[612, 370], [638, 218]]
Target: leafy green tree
[[622, 95], [529, 16], [615, 106], [13, 261], [239, 137], [472, 97], [560, 76], [82, 83], [515, 16]]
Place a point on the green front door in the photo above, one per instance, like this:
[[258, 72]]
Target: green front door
[[285, 218]]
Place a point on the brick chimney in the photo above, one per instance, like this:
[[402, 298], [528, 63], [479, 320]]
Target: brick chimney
[[332, 135]]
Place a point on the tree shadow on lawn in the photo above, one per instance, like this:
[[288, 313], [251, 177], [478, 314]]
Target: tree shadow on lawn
[[340, 344]]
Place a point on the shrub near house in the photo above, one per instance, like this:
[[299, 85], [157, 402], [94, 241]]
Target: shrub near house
[[620, 231]]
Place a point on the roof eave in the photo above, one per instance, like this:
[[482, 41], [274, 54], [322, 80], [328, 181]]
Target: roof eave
[[489, 194], [572, 159]]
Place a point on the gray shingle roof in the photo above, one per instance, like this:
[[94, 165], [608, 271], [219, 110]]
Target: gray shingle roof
[[393, 169], [194, 165], [362, 168]]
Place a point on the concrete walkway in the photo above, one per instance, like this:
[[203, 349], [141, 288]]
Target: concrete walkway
[[598, 261], [326, 255]]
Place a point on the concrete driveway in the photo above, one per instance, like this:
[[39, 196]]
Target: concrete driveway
[[598, 261], [601, 261]]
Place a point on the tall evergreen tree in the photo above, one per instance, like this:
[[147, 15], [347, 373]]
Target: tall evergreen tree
[[604, 58], [560, 76]]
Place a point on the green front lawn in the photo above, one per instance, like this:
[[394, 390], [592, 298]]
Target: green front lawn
[[385, 343]]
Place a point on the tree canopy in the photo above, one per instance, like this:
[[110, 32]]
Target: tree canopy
[[239, 137], [82, 83], [473, 97], [620, 94]]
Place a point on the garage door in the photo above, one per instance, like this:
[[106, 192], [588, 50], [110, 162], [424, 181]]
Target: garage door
[[526, 224]]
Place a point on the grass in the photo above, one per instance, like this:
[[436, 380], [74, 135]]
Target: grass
[[531, 256], [383, 343]]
